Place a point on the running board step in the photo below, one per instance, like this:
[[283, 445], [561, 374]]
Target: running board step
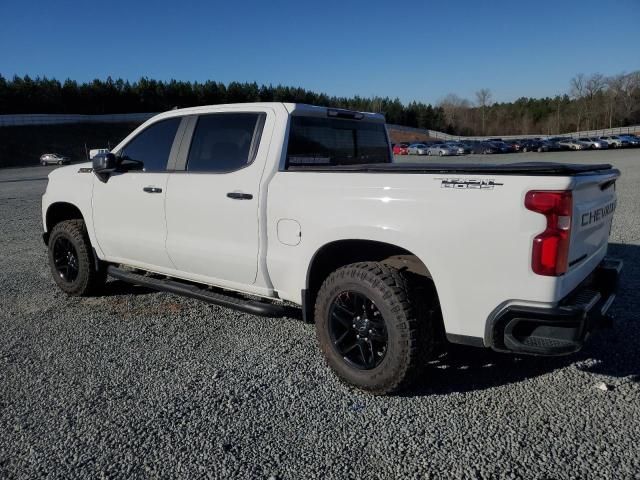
[[254, 307]]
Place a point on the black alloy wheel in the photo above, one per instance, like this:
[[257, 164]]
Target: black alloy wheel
[[65, 259], [357, 330], [74, 268], [374, 327]]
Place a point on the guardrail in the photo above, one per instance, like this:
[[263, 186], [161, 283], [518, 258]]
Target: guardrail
[[58, 119], [584, 133]]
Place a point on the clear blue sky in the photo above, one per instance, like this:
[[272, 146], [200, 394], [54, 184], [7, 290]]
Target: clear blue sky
[[415, 50]]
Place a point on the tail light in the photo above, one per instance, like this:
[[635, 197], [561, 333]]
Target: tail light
[[551, 248]]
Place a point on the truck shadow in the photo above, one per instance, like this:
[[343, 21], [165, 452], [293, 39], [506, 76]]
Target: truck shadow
[[612, 353]]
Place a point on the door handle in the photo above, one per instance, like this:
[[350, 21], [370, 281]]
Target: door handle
[[152, 189], [239, 196]]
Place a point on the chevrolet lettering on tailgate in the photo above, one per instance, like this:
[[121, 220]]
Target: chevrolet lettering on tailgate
[[598, 214]]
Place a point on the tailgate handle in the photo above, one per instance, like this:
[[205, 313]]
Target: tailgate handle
[[152, 189]]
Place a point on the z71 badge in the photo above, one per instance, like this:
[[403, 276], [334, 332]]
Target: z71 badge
[[468, 183]]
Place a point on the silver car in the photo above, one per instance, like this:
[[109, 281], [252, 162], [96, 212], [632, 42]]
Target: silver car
[[53, 158], [594, 143], [417, 149], [460, 150], [442, 149], [574, 144]]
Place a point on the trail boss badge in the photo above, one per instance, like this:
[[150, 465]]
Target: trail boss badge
[[467, 183]]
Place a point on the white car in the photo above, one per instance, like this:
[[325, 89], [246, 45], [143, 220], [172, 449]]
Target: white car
[[442, 150], [257, 206], [53, 158]]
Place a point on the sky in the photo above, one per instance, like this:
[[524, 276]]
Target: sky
[[413, 50]]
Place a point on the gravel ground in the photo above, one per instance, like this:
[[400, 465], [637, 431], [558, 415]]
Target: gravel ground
[[139, 384]]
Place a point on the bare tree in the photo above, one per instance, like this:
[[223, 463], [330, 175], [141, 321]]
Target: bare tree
[[630, 94], [577, 92], [483, 98], [614, 94], [594, 87], [454, 107], [558, 102]]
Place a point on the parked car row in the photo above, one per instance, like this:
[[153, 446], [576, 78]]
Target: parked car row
[[498, 145]]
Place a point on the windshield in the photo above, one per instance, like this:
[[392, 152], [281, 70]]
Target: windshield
[[330, 141]]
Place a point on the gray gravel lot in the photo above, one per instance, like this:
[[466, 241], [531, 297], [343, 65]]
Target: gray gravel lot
[[139, 384]]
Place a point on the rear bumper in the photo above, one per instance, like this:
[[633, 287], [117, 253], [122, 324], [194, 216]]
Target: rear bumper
[[562, 329]]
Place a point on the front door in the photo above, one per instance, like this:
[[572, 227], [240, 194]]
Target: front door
[[129, 207]]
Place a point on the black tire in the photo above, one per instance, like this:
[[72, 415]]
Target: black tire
[[409, 337], [72, 261]]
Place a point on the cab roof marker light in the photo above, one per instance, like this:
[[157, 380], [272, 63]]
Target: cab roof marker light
[[333, 112]]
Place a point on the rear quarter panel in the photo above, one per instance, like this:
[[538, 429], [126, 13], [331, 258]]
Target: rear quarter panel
[[476, 242]]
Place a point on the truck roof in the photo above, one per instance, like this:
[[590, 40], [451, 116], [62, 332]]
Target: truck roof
[[292, 108]]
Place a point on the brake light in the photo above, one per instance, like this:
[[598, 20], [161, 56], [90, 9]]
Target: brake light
[[551, 248]]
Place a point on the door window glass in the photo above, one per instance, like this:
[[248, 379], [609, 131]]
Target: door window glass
[[149, 150], [224, 142]]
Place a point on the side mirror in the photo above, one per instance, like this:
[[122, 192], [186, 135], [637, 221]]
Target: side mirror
[[104, 164]]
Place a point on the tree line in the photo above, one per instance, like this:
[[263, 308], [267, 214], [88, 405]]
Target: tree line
[[44, 95], [591, 102]]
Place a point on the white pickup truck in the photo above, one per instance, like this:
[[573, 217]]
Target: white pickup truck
[[257, 206]]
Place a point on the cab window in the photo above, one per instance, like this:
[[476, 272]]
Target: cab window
[[149, 150], [225, 142]]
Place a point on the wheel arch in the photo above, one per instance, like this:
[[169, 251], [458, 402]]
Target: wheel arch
[[339, 253], [59, 212]]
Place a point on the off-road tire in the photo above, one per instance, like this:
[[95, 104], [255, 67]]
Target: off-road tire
[[89, 280], [412, 334]]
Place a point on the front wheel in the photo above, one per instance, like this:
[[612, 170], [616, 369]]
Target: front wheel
[[368, 328], [72, 261]]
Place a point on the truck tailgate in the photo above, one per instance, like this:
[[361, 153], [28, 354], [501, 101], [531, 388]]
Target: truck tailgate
[[594, 201]]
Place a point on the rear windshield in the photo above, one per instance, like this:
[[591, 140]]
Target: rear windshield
[[315, 141]]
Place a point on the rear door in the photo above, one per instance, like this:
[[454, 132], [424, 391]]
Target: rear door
[[128, 208], [212, 204]]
